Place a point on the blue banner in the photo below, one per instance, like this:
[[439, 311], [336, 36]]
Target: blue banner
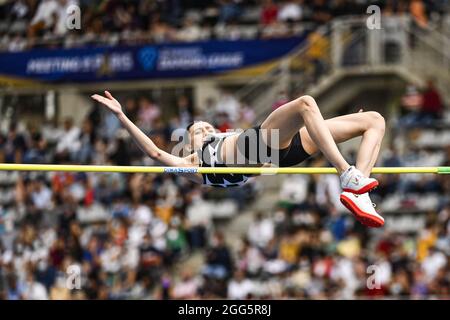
[[174, 60]]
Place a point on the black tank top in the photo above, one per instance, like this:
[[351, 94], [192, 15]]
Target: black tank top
[[210, 156]]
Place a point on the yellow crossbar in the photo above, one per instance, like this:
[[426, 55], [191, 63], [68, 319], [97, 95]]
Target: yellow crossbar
[[235, 170]]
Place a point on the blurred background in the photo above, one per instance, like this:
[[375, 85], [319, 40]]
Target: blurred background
[[230, 62]]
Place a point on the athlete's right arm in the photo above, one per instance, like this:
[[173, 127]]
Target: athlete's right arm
[[144, 142]]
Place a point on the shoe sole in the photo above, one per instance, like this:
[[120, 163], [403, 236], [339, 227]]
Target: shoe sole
[[367, 188], [364, 218]]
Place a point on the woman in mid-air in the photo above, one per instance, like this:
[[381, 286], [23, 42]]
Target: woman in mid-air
[[300, 130]]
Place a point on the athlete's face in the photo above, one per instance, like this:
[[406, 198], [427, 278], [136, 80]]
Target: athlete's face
[[198, 132]]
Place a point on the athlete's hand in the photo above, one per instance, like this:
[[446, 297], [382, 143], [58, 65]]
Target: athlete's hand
[[109, 101]]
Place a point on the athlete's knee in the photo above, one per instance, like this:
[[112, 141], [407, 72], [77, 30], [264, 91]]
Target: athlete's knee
[[307, 104], [376, 120]]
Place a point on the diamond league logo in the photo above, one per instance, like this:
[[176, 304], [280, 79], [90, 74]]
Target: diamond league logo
[[147, 58]]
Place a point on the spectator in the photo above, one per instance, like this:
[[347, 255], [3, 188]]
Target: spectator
[[239, 288], [321, 12], [433, 263], [218, 258], [44, 17], [184, 111], [411, 100], [15, 290], [151, 258], [275, 30], [269, 13], [34, 290], [229, 105], [86, 143], [190, 31], [68, 142], [188, 287], [41, 196], [421, 109], [131, 109], [432, 106], [16, 43], [328, 190], [60, 28], [112, 124], [345, 7], [14, 146], [21, 10], [281, 100], [210, 110], [247, 115], [229, 10], [42, 23], [318, 54], [159, 30], [198, 214], [294, 189], [51, 14], [176, 240], [149, 112], [418, 12], [290, 11], [260, 231], [36, 153]]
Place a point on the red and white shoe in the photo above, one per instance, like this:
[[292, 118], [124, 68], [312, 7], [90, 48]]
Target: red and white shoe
[[362, 208], [352, 180]]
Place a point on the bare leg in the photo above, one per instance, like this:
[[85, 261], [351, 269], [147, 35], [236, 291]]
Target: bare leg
[[288, 120], [370, 125]]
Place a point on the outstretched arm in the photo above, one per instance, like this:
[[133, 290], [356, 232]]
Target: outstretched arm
[[144, 142]]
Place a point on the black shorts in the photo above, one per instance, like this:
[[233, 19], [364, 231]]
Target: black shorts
[[251, 140]]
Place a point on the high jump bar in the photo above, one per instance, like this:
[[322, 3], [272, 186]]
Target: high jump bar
[[223, 170]]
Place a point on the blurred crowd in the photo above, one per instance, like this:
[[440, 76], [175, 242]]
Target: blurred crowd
[[124, 231], [134, 236], [36, 23], [421, 107], [309, 247]]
